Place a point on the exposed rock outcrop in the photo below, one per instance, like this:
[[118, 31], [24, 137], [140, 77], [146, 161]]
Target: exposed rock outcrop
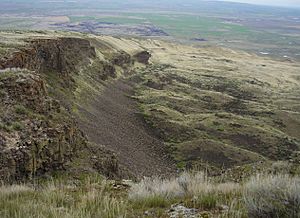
[[37, 134], [33, 140], [142, 57], [40, 84], [61, 55], [26, 88], [121, 59]]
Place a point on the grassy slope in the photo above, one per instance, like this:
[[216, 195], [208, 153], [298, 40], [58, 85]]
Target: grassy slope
[[208, 104], [219, 106]]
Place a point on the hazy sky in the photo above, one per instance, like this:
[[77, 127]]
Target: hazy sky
[[293, 3]]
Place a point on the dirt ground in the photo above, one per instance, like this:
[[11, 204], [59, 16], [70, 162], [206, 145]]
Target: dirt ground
[[115, 123]]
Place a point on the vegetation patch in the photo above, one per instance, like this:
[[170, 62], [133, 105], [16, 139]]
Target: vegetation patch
[[273, 196], [56, 199]]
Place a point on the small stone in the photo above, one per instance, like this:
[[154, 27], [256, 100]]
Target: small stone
[[223, 207], [178, 210]]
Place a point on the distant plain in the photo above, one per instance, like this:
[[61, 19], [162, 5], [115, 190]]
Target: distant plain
[[266, 31]]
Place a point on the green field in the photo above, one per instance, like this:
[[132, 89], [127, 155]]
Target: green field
[[212, 29], [176, 25]]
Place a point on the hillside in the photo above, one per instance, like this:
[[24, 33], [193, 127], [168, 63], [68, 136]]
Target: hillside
[[80, 113], [39, 135], [215, 106], [218, 106], [64, 105], [203, 107]]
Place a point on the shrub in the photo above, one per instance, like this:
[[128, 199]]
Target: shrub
[[280, 167], [168, 188], [17, 126], [273, 196], [20, 109], [187, 185], [5, 127]]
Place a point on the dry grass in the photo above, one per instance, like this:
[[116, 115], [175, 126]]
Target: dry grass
[[261, 196], [60, 200], [273, 196], [219, 106], [14, 189], [195, 190], [187, 184]]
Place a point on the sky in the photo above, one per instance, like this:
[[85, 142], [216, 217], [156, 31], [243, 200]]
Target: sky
[[287, 3]]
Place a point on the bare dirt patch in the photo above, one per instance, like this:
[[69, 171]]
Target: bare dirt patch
[[114, 122]]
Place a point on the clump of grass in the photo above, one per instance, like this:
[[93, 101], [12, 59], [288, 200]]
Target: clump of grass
[[5, 127], [14, 189], [20, 109], [2, 93], [273, 196], [235, 210], [187, 184], [60, 200], [206, 202], [17, 126], [280, 167], [155, 187], [154, 193], [154, 201]]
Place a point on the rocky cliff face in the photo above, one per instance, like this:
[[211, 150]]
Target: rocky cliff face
[[33, 142], [37, 134], [142, 57], [62, 55]]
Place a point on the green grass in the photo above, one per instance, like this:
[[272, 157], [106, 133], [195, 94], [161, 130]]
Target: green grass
[[5, 127], [60, 200], [151, 202], [210, 117], [17, 126], [261, 196], [20, 109], [206, 202], [85, 195]]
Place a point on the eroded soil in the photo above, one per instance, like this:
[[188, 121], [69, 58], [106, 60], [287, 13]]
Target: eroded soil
[[115, 123]]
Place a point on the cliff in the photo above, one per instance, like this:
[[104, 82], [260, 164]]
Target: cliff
[[39, 134]]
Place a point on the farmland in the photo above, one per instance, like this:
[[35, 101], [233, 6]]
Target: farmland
[[266, 31]]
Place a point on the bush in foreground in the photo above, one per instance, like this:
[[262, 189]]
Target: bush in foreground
[[186, 185], [273, 196]]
